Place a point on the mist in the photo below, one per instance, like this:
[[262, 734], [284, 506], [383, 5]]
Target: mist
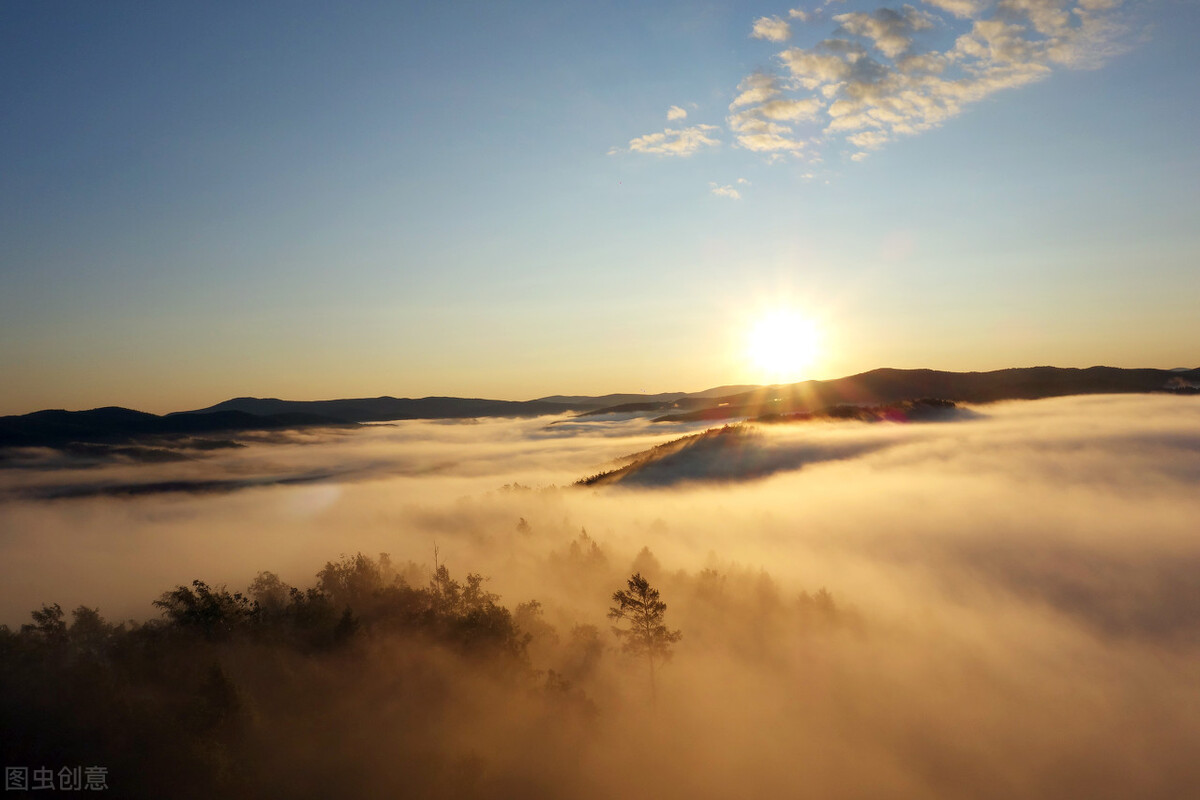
[[1000, 605]]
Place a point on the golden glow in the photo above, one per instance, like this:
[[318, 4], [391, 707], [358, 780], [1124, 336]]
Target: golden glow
[[783, 344]]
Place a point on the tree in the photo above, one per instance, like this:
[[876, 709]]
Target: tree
[[212, 611], [646, 635]]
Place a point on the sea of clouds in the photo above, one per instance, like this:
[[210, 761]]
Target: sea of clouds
[[1015, 604]]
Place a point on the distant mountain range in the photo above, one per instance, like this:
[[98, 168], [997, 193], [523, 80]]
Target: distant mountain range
[[381, 409], [608, 400], [56, 428], [893, 385], [115, 424]]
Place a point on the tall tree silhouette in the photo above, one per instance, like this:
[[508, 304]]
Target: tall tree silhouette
[[646, 635]]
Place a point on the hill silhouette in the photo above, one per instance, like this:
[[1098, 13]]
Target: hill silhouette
[[58, 428], [381, 409], [112, 424], [897, 385], [737, 452]]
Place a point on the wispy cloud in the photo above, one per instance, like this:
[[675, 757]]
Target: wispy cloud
[[725, 191], [964, 9], [676, 142], [675, 112]]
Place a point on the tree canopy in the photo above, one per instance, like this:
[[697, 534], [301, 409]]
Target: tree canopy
[[647, 634]]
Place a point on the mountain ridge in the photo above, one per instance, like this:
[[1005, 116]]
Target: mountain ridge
[[57, 427], [384, 408], [113, 424], [888, 384]]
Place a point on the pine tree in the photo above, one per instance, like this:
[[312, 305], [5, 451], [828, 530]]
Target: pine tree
[[647, 634]]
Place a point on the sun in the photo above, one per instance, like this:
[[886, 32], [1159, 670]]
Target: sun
[[782, 344]]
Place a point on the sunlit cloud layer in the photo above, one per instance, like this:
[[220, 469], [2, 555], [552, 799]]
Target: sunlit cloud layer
[[1096, 473], [898, 71], [1011, 594], [1011, 606]]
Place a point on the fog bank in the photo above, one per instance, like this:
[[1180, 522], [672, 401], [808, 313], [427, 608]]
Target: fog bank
[[1011, 605]]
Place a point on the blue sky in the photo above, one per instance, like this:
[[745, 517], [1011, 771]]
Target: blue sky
[[307, 200]]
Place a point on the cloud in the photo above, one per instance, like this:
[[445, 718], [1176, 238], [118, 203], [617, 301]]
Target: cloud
[[758, 111], [1017, 599], [890, 31], [874, 77], [760, 137], [789, 109], [725, 191], [672, 142], [755, 89], [675, 112], [773, 29], [869, 140], [811, 68], [995, 42], [964, 9], [1049, 17], [877, 83], [1098, 39]]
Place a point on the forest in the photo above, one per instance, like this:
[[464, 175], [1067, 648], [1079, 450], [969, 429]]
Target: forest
[[380, 679]]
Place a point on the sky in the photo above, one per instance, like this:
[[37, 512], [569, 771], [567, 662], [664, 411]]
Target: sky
[[512, 200]]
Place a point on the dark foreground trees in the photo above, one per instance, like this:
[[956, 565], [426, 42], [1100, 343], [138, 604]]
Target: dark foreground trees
[[277, 692], [379, 680], [647, 635]]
